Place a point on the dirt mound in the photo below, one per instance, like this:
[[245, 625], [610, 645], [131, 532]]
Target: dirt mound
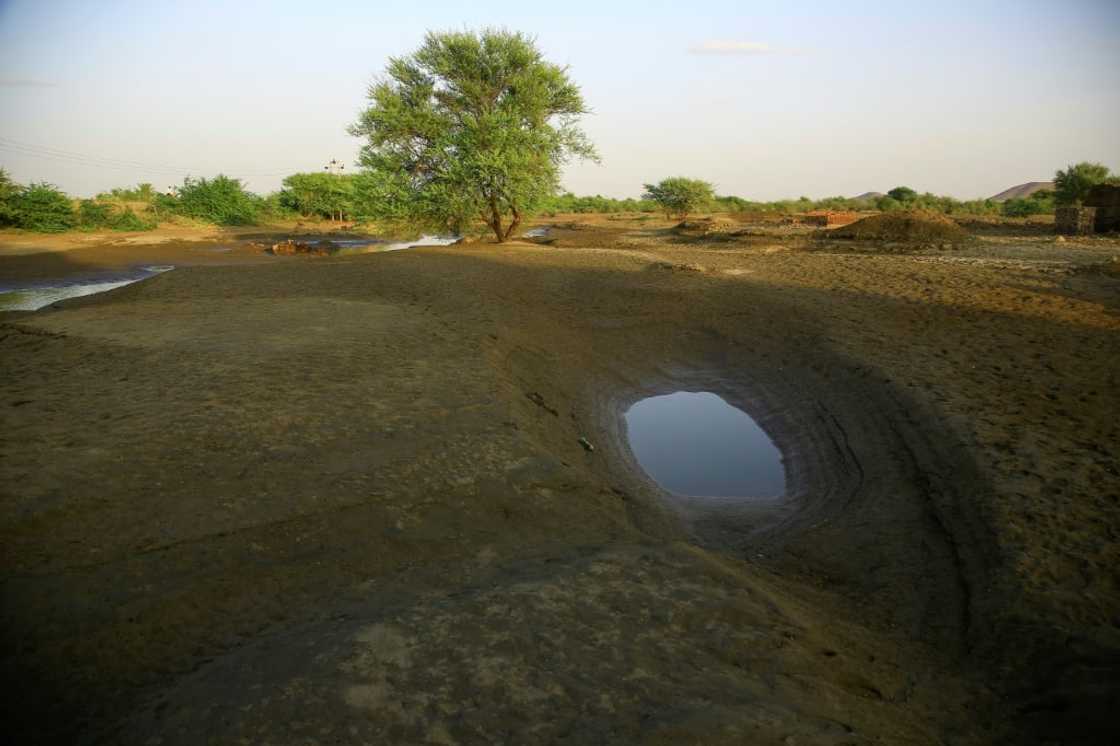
[[1022, 191], [909, 226], [705, 227]]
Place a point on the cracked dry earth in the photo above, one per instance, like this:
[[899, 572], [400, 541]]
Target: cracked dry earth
[[344, 501]]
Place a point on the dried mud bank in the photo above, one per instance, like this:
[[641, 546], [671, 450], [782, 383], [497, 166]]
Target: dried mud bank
[[345, 499]]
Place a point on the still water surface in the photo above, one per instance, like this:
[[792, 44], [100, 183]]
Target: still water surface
[[696, 444]]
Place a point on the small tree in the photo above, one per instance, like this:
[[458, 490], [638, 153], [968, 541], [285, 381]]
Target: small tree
[[1072, 185], [469, 126], [9, 190], [327, 195], [679, 196], [94, 213], [42, 207], [902, 194], [220, 200], [1039, 203]]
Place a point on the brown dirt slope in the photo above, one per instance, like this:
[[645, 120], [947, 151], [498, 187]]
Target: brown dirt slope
[[908, 226], [344, 499]]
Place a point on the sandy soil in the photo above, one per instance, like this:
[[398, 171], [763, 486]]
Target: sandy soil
[[320, 499]]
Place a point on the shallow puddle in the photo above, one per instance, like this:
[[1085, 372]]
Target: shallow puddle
[[695, 444], [35, 297]]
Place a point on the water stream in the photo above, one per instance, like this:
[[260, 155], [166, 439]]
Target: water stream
[[34, 297]]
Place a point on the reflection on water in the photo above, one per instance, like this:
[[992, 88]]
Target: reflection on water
[[35, 297], [696, 444]]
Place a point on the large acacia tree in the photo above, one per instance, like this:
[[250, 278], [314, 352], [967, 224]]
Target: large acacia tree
[[470, 126]]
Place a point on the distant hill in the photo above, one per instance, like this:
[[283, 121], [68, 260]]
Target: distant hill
[[1023, 190], [869, 196]]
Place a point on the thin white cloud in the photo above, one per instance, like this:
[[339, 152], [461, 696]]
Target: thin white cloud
[[730, 46], [25, 83]]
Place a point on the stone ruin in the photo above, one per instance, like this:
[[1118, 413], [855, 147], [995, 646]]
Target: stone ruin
[[1074, 221], [1099, 214], [1105, 199]]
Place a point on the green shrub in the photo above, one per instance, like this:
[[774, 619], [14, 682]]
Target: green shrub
[[127, 220], [902, 194], [1039, 203], [221, 200], [9, 191], [94, 214], [41, 207], [276, 206], [141, 193], [887, 204], [1072, 185]]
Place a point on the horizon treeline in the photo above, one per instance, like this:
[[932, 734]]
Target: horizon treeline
[[224, 200]]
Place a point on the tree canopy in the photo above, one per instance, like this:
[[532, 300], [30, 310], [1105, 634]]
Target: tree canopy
[[43, 207], [680, 196], [902, 194], [322, 194], [1072, 185], [9, 190], [471, 125]]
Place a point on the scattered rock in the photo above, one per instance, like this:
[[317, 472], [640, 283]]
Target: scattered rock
[[292, 247], [673, 267], [705, 227]]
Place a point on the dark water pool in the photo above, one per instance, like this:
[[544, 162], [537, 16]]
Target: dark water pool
[[696, 444]]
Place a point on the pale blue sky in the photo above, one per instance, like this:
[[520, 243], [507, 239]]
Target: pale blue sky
[[765, 99]]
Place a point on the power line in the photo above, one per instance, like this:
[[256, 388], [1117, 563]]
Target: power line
[[68, 156], [86, 162]]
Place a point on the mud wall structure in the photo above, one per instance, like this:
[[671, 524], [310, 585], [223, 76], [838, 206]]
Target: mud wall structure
[[1074, 221], [829, 219], [1105, 198]]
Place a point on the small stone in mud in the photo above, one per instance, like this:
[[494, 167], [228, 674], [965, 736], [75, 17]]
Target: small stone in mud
[[586, 445]]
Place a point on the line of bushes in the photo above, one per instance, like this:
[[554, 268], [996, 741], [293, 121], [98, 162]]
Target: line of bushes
[[44, 208], [223, 200], [901, 198]]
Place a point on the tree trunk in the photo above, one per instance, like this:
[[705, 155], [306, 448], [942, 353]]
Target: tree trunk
[[513, 225], [495, 220]]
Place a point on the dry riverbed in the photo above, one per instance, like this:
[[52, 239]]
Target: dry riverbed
[[344, 499]]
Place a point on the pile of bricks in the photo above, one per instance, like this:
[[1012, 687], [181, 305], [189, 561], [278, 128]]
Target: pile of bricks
[[1075, 221]]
